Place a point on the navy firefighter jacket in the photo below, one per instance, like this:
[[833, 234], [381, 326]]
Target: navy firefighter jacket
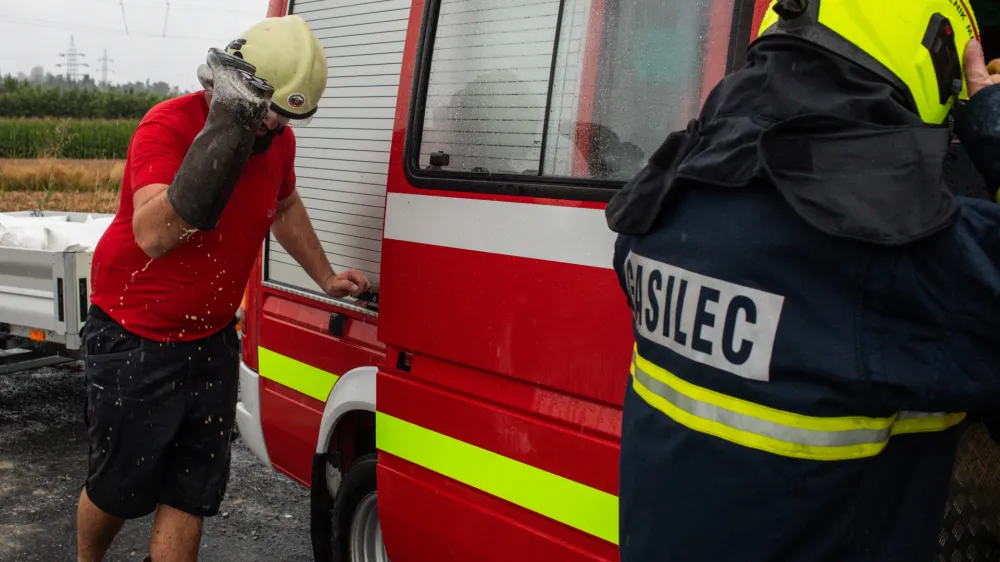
[[814, 316]]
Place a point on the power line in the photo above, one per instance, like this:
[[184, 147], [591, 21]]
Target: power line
[[124, 19], [93, 29], [166, 16], [200, 7]]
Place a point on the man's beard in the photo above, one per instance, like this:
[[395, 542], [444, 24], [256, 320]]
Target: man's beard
[[263, 142]]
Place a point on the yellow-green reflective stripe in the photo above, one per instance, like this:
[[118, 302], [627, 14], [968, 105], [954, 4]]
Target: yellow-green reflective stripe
[[925, 424], [774, 431], [748, 408], [571, 503], [296, 375]]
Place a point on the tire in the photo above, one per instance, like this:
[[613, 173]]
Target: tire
[[355, 532]]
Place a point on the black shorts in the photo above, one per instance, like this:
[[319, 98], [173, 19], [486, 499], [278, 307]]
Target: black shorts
[[159, 417]]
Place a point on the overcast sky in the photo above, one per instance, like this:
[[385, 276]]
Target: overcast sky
[[35, 32]]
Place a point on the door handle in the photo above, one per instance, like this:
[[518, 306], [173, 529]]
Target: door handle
[[369, 299], [338, 325]]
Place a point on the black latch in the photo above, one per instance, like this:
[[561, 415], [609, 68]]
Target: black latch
[[404, 362], [60, 300], [369, 300], [83, 299], [338, 325], [439, 160]]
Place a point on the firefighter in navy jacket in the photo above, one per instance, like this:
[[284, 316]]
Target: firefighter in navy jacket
[[815, 313]]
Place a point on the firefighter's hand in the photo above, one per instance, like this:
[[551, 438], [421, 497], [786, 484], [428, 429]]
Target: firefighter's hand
[[351, 282], [978, 74]]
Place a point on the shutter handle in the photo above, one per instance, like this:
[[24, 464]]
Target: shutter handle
[[338, 325]]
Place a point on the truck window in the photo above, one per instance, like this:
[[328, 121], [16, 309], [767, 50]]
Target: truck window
[[583, 89]]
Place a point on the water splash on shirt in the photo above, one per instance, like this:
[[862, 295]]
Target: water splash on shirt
[[143, 270]]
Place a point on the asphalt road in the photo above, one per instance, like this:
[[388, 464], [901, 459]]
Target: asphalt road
[[265, 516]]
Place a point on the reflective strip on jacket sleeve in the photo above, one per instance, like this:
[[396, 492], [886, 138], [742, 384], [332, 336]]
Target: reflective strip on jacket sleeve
[[771, 430]]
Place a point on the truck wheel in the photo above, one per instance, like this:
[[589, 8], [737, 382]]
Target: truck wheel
[[356, 532]]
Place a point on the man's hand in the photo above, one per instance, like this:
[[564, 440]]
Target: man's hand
[[978, 74], [351, 282], [976, 120]]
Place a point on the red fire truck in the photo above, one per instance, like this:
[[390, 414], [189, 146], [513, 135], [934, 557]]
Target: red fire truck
[[462, 158]]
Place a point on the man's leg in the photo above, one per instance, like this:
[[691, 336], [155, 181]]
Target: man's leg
[[133, 412], [197, 466], [176, 535], [94, 530]]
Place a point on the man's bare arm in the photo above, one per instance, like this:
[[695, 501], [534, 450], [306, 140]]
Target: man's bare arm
[[156, 226], [296, 235]]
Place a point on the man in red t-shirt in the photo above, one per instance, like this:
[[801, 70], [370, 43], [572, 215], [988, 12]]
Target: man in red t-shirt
[[207, 176]]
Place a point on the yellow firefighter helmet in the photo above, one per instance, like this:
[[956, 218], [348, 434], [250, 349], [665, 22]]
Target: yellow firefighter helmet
[[916, 45], [288, 55]]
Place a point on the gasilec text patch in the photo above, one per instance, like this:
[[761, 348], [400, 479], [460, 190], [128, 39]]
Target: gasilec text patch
[[711, 321]]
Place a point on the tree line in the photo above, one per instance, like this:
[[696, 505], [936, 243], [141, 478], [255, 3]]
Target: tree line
[[21, 98], [38, 77]]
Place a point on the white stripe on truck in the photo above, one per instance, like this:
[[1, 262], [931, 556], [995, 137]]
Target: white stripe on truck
[[571, 235]]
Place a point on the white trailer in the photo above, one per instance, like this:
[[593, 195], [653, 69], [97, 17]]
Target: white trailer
[[44, 288]]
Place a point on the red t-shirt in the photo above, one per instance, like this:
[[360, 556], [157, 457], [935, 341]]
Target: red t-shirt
[[193, 291]]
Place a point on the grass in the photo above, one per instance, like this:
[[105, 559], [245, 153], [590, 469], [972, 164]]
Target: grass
[[61, 175], [71, 201], [89, 186]]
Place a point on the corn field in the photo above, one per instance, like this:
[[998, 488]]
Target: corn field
[[65, 138]]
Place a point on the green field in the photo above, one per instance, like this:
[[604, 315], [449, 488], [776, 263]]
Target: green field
[[65, 138]]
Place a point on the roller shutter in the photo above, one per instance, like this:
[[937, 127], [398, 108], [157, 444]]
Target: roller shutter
[[342, 158]]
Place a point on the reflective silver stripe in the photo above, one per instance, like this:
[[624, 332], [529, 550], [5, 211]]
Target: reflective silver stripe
[[766, 428], [774, 431]]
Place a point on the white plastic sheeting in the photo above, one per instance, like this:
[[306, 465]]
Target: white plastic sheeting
[[52, 233]]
